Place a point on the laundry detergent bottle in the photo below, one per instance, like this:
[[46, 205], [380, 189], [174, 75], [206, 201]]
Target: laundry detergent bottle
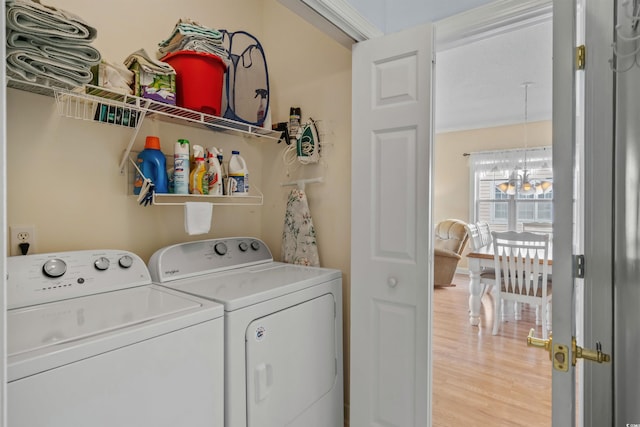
[[153, 165], [238, 175], [214, 172], [181, 167], [198, 183]]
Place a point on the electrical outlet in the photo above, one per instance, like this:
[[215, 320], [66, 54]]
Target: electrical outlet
[[22, 234]]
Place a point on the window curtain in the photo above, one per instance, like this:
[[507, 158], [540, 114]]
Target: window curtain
[[505, 161]]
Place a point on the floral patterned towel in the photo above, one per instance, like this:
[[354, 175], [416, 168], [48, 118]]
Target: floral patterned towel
[[299, 237]]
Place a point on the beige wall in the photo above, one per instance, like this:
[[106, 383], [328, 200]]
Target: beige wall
[[63, 173], [451, 170]]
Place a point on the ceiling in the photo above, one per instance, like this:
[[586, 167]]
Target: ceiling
[[479, 84]]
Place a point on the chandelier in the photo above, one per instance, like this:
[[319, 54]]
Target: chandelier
[[520, 181]]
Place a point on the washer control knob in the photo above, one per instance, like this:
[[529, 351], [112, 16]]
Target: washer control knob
[[54, 268], [243, 246], [125, 261], [220, 248], [101, 263], [255, 245]]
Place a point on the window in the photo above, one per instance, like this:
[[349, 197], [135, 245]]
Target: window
[[516, 211]]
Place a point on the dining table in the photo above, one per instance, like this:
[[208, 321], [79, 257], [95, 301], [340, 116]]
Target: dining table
[[478, 260]]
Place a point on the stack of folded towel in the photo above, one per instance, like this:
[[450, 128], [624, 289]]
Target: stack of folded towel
[[190, 35], [48, 46]]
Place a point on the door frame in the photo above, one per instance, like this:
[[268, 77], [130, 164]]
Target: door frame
[[3, 224], [598, 206]]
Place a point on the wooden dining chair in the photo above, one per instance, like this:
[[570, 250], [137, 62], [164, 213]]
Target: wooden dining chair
[[521, 262], [478, 239], [485, 233]]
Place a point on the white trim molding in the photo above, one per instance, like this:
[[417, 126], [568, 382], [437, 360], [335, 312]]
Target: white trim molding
[[336, 18], [497, 17]]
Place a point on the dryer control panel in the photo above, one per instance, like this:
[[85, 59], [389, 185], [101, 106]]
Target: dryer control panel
[[207, 256], [41, 278]]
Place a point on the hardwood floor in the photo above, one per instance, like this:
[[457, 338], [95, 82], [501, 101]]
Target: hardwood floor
[[484, 380]]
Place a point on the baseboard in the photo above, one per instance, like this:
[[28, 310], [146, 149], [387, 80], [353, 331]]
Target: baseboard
[[462, 270]]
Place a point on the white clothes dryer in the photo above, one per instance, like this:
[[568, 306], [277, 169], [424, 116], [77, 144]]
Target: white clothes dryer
[[283, 329], [91, 342]]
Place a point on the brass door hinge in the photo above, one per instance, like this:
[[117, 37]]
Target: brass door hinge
[[581, 57]]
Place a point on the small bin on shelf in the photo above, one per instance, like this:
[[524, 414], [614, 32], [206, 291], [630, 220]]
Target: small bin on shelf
[[199, 80]]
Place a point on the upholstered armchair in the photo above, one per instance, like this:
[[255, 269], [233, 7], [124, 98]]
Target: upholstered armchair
[[450, 240]]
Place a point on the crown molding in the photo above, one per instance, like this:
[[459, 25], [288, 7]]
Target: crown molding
[[336, 18], [486, 21]]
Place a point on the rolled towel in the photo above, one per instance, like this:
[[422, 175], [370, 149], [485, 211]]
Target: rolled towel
[[36, 68], [59, 49], [31, 17]]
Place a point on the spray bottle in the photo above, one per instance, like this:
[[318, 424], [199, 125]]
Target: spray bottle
[[198, 183], [181, 167], [262, 93], [214, 173]]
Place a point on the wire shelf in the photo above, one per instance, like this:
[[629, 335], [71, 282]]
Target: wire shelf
[[87, 102]]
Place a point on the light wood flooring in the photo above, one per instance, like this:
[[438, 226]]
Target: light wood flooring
[[484, 380]]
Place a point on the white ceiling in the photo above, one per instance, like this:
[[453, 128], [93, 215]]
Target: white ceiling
[[480, 84]]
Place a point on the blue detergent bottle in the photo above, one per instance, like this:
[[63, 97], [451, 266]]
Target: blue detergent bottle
[[153, 165]]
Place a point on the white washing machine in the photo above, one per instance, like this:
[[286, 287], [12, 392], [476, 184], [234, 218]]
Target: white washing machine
[[91, 342], [283, 329]]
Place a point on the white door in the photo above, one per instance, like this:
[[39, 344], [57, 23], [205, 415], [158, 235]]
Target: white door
[[391, 253], [582, 210]]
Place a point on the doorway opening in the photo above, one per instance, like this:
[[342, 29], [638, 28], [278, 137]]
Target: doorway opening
[[478, 107]]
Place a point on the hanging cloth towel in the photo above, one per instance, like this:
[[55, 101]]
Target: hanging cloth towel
[[197, 217], [299, 236]]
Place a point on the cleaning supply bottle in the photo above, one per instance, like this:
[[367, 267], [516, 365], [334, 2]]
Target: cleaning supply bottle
[[181, 167], [214, 172], [262, 93], [153, 165], [294, 122], [223, 170], [198, 183], [238, 175]]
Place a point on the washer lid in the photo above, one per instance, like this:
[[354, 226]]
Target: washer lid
[[250, 285], [65, 331]]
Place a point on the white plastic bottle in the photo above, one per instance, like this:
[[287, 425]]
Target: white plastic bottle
[[238, 175], [181, 167], [214, 172]]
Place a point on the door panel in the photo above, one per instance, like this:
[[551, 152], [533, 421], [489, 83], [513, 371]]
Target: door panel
[[394, 215], [291, 364], [391, 258]]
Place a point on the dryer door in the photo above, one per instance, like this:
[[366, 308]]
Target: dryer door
[[292, 366]]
